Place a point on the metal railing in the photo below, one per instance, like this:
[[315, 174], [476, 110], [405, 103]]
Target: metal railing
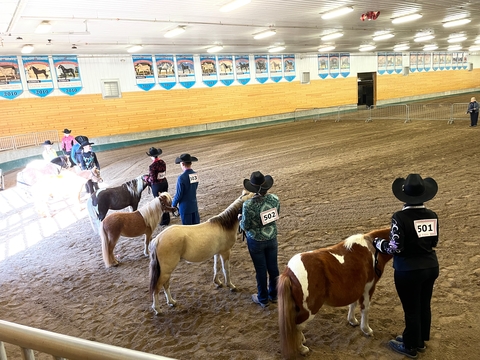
[[31, 139], [62, 347]]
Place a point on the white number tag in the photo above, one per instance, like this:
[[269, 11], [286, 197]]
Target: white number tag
[[161, 175], [269, 216], [193, 178], [426, 228]]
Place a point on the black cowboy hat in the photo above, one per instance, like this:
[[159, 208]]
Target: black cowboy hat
[[47, 142], [186, 158], [414, 189], [258, 182], [85, 143], [66, 131], [80, 138], [153, 151]]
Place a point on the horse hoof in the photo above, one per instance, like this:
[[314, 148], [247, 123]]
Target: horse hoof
[[233, 289], [368, 332], [172, 304], [304, 350], [354, 323]]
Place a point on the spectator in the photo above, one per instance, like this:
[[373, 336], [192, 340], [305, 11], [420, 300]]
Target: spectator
[[49, 152], [473, 111]]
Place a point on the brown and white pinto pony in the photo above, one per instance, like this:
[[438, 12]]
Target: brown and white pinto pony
[[339, 275]]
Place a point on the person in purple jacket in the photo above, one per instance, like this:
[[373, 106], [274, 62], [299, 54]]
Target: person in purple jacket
[[186, 192]]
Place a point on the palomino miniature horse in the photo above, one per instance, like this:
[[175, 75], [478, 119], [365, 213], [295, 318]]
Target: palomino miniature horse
[[140, 222], [194, 243], [338, 275]]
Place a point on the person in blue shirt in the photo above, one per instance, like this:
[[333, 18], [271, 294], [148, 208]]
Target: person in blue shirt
[[186, 192], [259, 221]]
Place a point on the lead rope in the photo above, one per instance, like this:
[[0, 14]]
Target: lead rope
[[377, 270]]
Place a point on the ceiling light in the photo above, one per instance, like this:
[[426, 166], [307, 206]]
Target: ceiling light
[[366, 47], [430, 47], [332, 36], [477, 41], [474, 48], [401, 47], [264, 34], [406, 18], [337, 12], [456, 22], [424, 38], [214, 48], [234, 5], [457, 38], [43, 28], [383, 37], [326, 48], [27, 49], [454, 47], [174, 32], [134, 48], [276, 48]]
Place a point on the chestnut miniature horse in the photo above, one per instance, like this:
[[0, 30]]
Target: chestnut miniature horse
[[338, 275]]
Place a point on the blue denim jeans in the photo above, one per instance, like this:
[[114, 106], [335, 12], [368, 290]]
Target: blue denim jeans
[[264, 257]]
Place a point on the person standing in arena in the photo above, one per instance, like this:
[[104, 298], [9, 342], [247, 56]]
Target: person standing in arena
[[67, 141], [186, 192]]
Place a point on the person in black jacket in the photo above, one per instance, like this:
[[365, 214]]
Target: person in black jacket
[[413, 235], [473, 111]]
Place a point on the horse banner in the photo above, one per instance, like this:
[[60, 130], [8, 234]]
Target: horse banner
[[381, 63], [427, 61], [289, 67], [186, 71], [276, 73], [37, 72], [345, 64], [323, 66], [454, 61], [334, 64], [68, 74], [10, 82], [398, 63], [390, 63], [225, 66], [413, 62], [144, 76], [436, 61], [242, 66], [448, 61], [261, 68], [208, 64], [465, 61], [441, 65], [420, 62], [166, 71]]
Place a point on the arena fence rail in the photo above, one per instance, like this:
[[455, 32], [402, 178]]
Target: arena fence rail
[[30, 139], [62, 347]]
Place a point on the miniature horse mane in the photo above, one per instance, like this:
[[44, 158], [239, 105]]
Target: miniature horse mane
[[152, 211], [228, 219], [135, 186]]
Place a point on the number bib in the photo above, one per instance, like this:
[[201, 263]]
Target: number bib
[[193, 178], [269, 216], [426, 227]]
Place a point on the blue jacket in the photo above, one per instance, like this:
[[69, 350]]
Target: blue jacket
[[186, 193]]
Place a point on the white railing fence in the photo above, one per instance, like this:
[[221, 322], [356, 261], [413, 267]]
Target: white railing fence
[[62, 347], [31, 139]]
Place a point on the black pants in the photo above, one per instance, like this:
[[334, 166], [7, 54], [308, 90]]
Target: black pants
[[473, 118], [158, 188], [415, 290]]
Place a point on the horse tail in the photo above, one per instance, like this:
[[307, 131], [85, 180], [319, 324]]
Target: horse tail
[[154, 267], [289, 339], [105, 240]]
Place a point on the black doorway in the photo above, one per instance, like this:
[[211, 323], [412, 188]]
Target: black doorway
[[366, 89]]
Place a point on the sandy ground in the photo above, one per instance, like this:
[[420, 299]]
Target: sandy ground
[[333, 180]]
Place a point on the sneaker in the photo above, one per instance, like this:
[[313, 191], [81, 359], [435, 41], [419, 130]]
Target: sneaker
[[273, 300], [256, 301], [399, 338], [398, 347]]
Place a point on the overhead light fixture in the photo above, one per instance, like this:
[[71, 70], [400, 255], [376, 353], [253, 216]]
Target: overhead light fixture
[[383, 37], [430, 47], [27, 49], [264, 34], [234, 5], [134, 48], [406, 18], [43, 28], [457, 38], [477, 41], [454, 47], [401, 47], [214, 48], [337, 12], [366, 47], [423, 38], [332, 36], [474, 48], [457, 22], [174, 32], [326, 48], [276, 48]]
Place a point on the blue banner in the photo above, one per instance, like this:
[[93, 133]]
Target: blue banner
[[413, 62], [448, 61], [398, 63], [334, 64], [10, 81], [208, 64], [186, 70], [166, 71], [261, 68], [381, 63], [441, 64], [276, 67], [68, 74], [144, 76], [242, 69], [323, 65], [225, 67], [289, 67], [344, 64], [390, 63], [427, 61], [37, 72], [436, 61]]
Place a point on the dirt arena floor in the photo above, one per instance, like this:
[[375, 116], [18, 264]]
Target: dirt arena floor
[[333, 179]]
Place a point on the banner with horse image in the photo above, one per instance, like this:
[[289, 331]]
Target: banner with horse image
[[427, 61], [465, 61], [454, 61], [390, 63], [186, 71], [289, 67], [37, 72], [208, 65], [334, 64], [261, 68], [398, 63], [448, 61], [144, 76], [323, 65], [225, 67], [382, 63], [242, 67], [10, 81], [166, 71], [436, 61], [420, 62], [276, 73], [68, 74], [442, 64], [345, 64], [413, 62]]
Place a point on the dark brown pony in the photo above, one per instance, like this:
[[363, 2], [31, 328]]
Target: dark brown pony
[[339, 275], [39, 71]]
